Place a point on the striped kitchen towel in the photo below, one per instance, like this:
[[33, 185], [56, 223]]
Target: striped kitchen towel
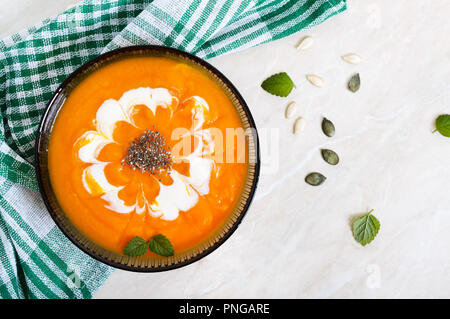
[[36, 260]]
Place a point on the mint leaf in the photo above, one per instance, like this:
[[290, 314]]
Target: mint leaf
[[160, 244], [443, 125], [365, 228], [137, 246], [279, 84]]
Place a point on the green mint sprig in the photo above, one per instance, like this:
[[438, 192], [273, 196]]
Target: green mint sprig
[[159, 244], [365, 228], [443, 125], [279, 84], [137, 246]]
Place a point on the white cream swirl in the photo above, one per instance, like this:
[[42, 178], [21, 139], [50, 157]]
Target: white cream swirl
[[183, 193]]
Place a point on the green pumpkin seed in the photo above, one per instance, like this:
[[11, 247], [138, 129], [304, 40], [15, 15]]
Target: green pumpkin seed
[[330, 156], [328, 127], [354, 83], [315, 179]]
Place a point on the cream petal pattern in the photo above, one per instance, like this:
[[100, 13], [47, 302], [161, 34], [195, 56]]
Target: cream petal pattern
[[94, 179], [151, 98], [183, 193], [169, 202], [109, 113], [91, 144], [198, 175], [198, 112], [116, 204]]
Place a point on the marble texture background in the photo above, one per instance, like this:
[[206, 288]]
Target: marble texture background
[[296, 240]]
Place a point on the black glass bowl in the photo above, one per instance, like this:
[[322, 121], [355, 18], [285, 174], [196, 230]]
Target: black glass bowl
[[156, 263]]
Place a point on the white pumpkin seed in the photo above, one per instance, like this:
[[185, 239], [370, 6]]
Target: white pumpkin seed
[[305, 43], [299, 125], [315, 80], [352, 58], [291, 109]]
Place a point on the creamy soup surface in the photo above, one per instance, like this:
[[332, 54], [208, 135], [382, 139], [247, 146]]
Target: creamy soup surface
[[139, 148]]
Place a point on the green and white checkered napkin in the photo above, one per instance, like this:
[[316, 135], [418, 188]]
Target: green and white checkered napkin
[[36, 260]]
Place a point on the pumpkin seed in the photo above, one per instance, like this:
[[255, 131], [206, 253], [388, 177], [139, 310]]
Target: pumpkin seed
[[354, 83], [330, 156], [328, 127], [299, 125], [291, 109], [315, 179], [352, 58], [305, 43], [315, 80]]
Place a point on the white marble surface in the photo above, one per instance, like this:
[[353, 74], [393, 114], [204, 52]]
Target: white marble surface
[[296, 240]]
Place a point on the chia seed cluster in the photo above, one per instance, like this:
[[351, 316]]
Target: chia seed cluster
[[148, 153]]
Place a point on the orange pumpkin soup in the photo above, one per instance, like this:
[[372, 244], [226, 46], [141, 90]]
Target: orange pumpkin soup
[[136, 150]]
